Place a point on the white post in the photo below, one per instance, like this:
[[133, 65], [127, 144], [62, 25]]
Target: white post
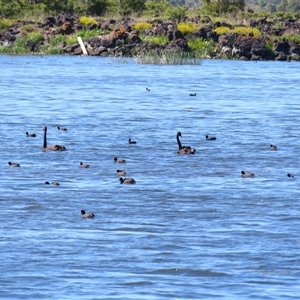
[[79, 39]]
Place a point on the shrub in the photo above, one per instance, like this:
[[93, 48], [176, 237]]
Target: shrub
[[187, 27], [222, 30], [293, 38], [34, 36], [158, 39], [5, 24], [247, 31], [201, 47], [28, 28], [141, 26], [87, 21]]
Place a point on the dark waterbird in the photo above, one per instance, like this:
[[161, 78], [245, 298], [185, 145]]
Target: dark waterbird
[[51, 147], [127, 180], [86, 215], [30, 134], [184, 149], [131, 142]]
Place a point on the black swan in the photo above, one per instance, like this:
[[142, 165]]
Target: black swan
[[51, 147], [184, 149]]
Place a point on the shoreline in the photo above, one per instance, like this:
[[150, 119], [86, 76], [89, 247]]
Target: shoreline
[[178, 42]]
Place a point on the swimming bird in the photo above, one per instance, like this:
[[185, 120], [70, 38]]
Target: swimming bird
[[194, 94], [51, 147], [273, 147], [247, 175], [290, 175], [119, 161], [131, 142], [82, 165], [184, 149], [86, 215], [127, 180], [147, 89], [210, 138], [121, 173], [53, 182], [62, 128], [12, 164], [30, 134]]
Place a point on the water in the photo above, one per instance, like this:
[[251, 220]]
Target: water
[[191, 227]]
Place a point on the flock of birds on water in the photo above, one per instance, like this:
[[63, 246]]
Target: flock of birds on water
[[182, 149]]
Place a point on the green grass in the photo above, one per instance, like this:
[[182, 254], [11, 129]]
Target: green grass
[[5, 24], [168, 58], [202, 48], [157, 39]]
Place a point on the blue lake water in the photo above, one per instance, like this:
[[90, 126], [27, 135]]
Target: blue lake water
[[191, 227]]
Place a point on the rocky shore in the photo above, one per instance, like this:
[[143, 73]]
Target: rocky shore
[[123, 40]]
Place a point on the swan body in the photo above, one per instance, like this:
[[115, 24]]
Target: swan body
[[86, 215], [127, 180], [30, 134], [210, 138], [82, 165], [247, 175], [121, 173], [51, 147], [12, 164], [184, 149], [119, 161]]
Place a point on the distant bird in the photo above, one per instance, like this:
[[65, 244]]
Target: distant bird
[[121, 173], [127, 180], [82, 165], [184, 149], [148, 89], [290, 175], [12, 164], [51, 147], [30, 134], [247, 175], [273, 147], [131, 142], [194, 94], [53, 182], [119, 161], [210, 138], [62, 128], [86, 215]]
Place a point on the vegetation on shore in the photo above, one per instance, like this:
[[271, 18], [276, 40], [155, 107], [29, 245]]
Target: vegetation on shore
[[226, 17]]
